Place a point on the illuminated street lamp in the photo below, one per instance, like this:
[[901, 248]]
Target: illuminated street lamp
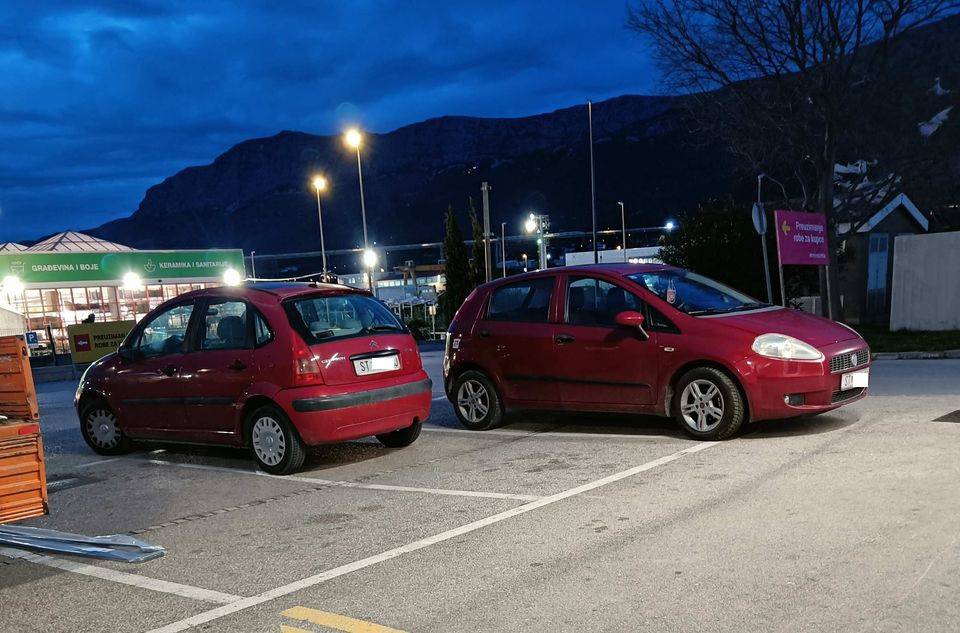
[[669, 226], [539, 223], [132, 281], [12, 285], [231, 277], [354, 139], [320, 184], [524, 256]]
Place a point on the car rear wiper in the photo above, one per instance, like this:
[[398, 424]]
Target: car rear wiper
[[384, 328]]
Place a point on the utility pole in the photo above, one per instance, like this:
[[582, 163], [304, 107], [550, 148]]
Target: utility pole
[[623, 225], [503, 247], [760, 222], [593, 193], [485, 191]]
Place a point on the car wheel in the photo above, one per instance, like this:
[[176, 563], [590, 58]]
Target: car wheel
[[101, 429], [401, 437], [708, 405], [476, 402], [275, 445]]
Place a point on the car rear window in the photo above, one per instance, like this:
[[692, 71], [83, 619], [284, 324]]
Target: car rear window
[[319, 319], [527, 301]]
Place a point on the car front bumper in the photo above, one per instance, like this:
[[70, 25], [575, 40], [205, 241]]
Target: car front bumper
[[325, 414], [783, 389]]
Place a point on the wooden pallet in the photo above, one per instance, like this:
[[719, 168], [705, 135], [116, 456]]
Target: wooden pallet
[[23, 477]]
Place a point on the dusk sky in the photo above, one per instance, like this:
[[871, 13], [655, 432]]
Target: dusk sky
[[101, 100]]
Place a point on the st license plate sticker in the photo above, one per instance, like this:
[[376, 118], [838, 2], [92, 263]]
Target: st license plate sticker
[[376, 364], [854, 380]]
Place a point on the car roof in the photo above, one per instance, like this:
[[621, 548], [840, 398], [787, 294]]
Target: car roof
[[620, 269], [280, 289]]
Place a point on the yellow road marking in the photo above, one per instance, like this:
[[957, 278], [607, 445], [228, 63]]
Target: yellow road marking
[[334, 621], [291, 629]]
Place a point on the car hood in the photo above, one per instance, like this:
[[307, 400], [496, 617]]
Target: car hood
[[809, 328]]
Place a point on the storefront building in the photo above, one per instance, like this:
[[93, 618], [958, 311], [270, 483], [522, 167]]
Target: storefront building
[[71, 278]]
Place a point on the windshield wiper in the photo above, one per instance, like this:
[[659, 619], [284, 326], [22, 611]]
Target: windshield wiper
[[384, 328], [709, 311]]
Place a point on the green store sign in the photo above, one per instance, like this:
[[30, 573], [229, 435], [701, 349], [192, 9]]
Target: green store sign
[[152, 266]]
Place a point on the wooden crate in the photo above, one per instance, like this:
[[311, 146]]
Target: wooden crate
[[23, 478]]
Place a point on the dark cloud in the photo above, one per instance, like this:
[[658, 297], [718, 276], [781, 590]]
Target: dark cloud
[[101, 99]]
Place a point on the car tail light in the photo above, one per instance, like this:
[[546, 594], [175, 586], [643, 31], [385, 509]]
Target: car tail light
[[306, 366]]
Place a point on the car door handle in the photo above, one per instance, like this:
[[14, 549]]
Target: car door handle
[[169, 370], [485, 334], [237, 365], [563, 339]]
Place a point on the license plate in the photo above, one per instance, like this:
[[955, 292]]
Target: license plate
[[377, 364], [854, 380]]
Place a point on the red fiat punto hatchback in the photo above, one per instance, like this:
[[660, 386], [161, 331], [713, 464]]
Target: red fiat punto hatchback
[[272, 367], [645, 339]]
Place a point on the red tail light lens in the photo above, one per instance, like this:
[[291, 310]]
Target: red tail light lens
[[306, 367]]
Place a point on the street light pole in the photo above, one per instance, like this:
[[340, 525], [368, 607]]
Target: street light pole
[[503, 247], [320, 183], [354, 139], [593, 193], [623, 224], [253, 264], [763, 240]]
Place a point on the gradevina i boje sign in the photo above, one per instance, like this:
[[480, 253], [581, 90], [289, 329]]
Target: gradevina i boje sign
[[53, 268], [802, 238]]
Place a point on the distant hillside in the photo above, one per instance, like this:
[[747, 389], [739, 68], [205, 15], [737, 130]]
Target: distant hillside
[[257, 195]]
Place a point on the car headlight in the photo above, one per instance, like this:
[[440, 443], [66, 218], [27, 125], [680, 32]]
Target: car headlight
[[785, 347]]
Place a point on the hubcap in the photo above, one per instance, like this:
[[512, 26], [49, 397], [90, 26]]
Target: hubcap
[[473, 401], [102, 428], [701, 405], [268, 441]]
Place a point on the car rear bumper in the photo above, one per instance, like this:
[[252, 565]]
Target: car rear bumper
[[783, 389], [325, 414]]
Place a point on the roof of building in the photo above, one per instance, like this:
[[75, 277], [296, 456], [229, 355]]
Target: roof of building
[[899, 201], [76, 242], [12, 246]]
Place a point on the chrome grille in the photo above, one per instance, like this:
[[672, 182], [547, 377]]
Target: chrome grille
[[849, 360], [840, 396]]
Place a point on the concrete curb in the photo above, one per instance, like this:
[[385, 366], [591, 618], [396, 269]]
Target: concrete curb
[[950, 353]]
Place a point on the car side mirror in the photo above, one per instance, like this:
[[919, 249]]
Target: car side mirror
[[127, 354], [631, 319]]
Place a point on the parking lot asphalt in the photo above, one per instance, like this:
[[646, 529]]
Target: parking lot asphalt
[[847, 521]]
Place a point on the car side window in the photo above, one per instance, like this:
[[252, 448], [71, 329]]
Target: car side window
[[592, 301], [224, 325], [262, 334], [526, 301], [165, 332]]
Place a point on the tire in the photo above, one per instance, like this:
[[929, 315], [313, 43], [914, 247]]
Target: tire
[[401, 437], [476, 401], [276, 446], [101, 429], [708, 405]]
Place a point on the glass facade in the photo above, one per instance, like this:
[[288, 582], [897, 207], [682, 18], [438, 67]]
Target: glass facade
[[49, 311]]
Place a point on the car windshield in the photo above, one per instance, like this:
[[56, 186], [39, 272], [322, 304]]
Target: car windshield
[[695, 294], [324, 318]]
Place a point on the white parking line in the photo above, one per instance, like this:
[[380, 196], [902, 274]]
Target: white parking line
[[439, 398], [350, 484], [162, 586], [99, 462], [330, 574], [519, 433]]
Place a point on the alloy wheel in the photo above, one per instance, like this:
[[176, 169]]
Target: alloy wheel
[[269, 442], [473, 401], [701, 405], [103, 429]]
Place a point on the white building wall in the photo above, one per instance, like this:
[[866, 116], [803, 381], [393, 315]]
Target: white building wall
[[641, 255], [926, 282]]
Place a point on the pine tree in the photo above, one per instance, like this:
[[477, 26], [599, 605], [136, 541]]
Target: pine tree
[[456, 269], [478, 264]]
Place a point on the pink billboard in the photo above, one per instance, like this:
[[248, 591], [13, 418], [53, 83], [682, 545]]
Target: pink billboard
[[801, 238]]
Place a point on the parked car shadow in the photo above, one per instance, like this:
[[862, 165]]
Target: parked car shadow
[[595, 423], [318, 457], [803, 425]]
